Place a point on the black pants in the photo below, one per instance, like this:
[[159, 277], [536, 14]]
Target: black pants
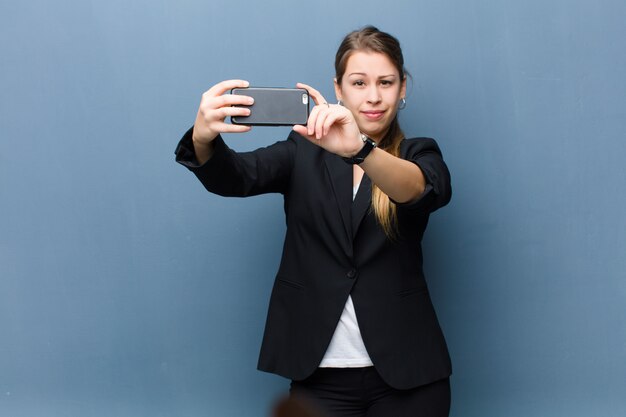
[[352, 392]]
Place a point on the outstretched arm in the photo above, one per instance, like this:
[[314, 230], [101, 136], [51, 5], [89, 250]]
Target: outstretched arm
[[334, 128]]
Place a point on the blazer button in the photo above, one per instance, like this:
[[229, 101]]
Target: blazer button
[[351, 273]]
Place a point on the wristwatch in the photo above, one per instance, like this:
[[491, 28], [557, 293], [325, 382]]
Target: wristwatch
[[368, 145]]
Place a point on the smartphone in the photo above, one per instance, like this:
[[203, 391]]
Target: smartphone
[[274, 106]]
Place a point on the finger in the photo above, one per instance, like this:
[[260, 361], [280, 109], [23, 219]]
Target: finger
[[312, 120], [210, 111], [302, 131], [230, 128], [217, 108], [329, 121], [317, 97], [319, 123], [221, 87], [230, 100], [233, 111]]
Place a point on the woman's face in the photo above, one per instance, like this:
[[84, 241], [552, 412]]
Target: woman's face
[[371, 89]]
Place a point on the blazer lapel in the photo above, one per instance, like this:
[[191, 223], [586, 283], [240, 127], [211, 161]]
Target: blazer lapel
[[341, 179], [362, 203]]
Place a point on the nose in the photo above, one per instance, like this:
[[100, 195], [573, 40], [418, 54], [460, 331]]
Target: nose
[[373, 95]]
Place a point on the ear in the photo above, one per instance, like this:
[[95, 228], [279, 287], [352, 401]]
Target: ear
[[403, 88], [337, 89]]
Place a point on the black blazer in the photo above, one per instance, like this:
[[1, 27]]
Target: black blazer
[[334, 247]]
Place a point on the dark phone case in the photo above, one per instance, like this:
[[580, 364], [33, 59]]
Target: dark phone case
[[274, 106]]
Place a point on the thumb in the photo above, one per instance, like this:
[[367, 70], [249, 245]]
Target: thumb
[[302, 131]]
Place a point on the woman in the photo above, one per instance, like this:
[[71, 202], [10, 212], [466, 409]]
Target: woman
[[350, 321]]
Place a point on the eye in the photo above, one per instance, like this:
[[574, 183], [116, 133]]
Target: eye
[[386, 83], [358, 83]]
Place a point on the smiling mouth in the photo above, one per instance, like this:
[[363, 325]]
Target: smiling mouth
[[373, 114]]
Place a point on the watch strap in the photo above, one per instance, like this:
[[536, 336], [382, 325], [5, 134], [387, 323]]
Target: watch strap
[[368, 146]]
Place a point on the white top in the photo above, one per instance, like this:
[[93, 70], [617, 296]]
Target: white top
[[346, 348]]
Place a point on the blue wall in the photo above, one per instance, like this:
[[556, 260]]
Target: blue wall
[[127, 290]]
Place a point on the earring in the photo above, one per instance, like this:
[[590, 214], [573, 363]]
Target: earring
[[402, 103], [339, 102]]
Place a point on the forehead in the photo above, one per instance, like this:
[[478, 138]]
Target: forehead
[[370, 63]]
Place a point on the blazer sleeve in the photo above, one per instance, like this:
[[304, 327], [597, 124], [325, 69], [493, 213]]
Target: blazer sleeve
[[240, 174], [425, 153]]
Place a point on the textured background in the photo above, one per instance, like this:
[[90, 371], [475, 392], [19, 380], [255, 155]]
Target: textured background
[[127, 290]]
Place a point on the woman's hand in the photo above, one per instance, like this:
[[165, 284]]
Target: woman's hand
[[330, 126], [215, 106]]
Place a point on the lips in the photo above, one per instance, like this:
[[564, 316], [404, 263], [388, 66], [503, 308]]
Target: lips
[[373, 114]]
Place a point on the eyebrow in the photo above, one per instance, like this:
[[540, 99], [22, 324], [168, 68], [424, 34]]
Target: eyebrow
[[362, 73]]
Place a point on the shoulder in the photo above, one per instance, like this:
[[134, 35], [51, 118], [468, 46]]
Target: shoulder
[[303, 148], [411, 147], [300, 140]]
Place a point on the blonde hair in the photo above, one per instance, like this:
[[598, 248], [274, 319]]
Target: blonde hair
[[371, 39], [385, 209]]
